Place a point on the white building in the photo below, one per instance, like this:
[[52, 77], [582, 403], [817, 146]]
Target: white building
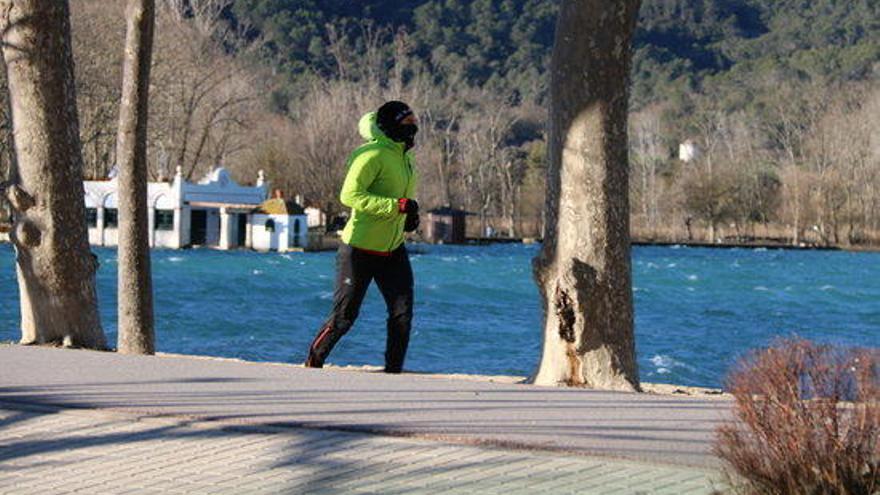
[[316, 217], [215, 212], [279, 225], [688, 151]]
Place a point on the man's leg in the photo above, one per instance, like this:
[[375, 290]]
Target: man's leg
[[395, 281], [353, 276]]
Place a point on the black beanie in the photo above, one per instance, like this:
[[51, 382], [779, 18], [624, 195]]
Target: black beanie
[[390, 114]]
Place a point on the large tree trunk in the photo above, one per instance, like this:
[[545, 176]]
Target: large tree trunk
[[56, 270], [583, 271], [8, 164], [136, 334]]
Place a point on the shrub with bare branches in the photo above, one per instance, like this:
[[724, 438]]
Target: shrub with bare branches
[[807, 421]]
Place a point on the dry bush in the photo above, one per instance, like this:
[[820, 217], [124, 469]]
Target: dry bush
[[807, 421]]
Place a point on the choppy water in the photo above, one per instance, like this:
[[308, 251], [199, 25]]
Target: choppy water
[[477, 309]]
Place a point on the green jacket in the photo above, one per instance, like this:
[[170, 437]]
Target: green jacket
[[379, 173]]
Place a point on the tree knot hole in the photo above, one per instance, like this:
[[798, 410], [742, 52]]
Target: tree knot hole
[[565, 313]]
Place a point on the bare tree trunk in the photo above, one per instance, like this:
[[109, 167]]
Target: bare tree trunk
[[136, 334], [56, 270], [583, 271]]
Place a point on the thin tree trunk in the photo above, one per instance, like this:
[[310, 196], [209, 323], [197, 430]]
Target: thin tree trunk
[[583, 271], [56, 270], [136, 334]]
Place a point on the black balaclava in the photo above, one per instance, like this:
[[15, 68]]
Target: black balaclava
[[388, 119]]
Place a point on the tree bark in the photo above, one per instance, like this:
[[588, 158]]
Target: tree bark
[[136, 333], [56, 270], [583, 271]]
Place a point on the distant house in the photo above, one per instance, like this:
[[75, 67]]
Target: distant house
[[316, 217], [213, 212], [688, 151]]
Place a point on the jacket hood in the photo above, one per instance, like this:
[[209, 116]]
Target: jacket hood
[[369, 129]]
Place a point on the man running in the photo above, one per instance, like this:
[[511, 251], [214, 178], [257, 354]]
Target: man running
[[379, 189]]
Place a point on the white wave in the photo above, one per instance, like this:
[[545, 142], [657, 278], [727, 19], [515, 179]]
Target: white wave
[[174, 259], [661, 360], [693, 277], [653, 265], [760, 250], [663, 371], [286, 256], [826, 287], [676, 246], [325, 295], [672, 265], [666, 362], [691, 289], [761, 288], [257, 272]]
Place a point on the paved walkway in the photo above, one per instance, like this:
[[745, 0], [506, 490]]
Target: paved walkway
[[87, 422]]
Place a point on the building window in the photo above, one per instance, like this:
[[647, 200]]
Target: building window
[[92, 217], [164, 220], [270, 225], [111, 218]]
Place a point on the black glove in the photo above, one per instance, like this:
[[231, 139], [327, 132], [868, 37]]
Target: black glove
[[412, 222]]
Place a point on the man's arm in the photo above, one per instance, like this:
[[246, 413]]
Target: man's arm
[[361, 174]]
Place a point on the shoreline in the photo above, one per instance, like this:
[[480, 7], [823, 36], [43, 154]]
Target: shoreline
[[647, 388], [484, 241]]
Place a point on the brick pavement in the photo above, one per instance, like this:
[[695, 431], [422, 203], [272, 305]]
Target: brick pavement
[[56, 450]]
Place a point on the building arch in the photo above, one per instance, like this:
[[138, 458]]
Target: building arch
[[110, 200], [162, 201]]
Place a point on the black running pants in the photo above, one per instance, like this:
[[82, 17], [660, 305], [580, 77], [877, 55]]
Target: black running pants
[[355, 269]]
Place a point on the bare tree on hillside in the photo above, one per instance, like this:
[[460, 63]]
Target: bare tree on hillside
[[205, 98], [322, 144], [583, 271], [56, 270], [97, 35], [482, 137], [648, 153], [794, 112]]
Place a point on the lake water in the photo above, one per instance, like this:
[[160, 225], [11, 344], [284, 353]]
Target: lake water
[[477, 308]]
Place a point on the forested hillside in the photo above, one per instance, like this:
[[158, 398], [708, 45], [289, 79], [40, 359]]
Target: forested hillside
[[681, 44]]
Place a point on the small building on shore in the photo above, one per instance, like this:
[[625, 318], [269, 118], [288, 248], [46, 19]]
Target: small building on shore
[[214, 212], [279, 225], [446, 225]]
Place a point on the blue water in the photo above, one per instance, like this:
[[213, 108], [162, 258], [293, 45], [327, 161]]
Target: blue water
[[477, 308]]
